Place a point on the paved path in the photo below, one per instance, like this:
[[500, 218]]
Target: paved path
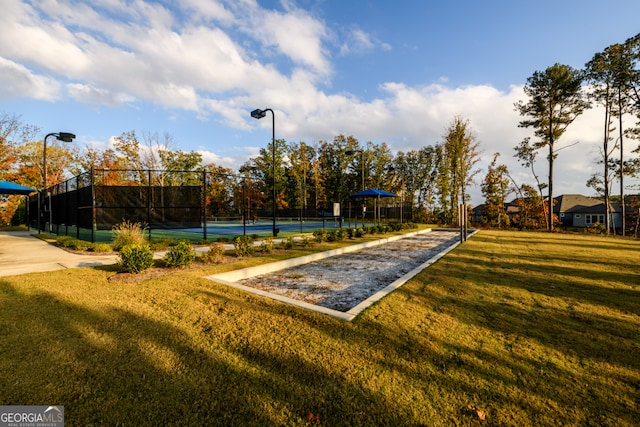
[[21, 252]]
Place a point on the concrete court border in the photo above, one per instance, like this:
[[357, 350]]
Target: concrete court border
[[231, 278]]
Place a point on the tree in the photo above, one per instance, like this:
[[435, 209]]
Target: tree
[[532, 212], [264, 168], [612, 75], [300, 158], [13, 134], [219, 197], [527, 154], [555, 100], [459, 154], [495, 188]]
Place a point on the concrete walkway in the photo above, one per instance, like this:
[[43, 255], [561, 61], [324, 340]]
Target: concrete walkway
[[21, 252]]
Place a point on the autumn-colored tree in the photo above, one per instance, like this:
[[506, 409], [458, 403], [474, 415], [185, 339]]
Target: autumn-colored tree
[[495, 188], [301, 157], [458, 156]]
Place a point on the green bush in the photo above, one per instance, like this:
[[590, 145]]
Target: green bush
[[160, 244], [395, 226], [409, 225], [73, 243], [288, 243], [127, 233], [243, 246], [336, 235], [305, 242], [101, 247], [215, 253], [180, 255], [359, 232], [135, 258], [320, 236], [267, 245], [65, 241]]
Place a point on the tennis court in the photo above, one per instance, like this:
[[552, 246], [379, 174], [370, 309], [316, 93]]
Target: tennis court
[[262, 227], [227, 229]]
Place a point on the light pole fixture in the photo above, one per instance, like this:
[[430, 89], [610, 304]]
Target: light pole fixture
[[61, 136], [258, 114]]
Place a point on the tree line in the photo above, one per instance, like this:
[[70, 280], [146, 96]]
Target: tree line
[[433, 180], [308, 177], [556, 97]]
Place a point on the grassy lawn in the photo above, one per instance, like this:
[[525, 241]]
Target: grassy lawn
[[522, 329]]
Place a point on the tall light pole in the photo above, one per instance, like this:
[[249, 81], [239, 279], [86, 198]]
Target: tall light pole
[[258, 114], [60, 136], [351, 153]]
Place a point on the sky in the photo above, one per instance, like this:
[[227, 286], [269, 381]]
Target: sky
[[395, 72]]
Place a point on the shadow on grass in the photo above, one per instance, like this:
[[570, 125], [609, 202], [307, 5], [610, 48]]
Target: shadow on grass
[[182, 350], [115, 366]]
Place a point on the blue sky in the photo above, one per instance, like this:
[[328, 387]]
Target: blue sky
[[396, 72]]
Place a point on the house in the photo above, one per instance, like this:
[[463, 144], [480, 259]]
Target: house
[[512, 209], [572, 210], [588, 216], [564, 205]]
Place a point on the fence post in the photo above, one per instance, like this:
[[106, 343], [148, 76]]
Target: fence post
[[204, 204]]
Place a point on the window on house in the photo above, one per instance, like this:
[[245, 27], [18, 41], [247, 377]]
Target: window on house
[[593, 218]]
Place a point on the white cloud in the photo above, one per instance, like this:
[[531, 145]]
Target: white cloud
[[359, 41], [18, 81], [294, 33], [221, 58]]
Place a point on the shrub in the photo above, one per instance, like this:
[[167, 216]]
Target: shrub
[[101, 247], [180, 255], [320, 236], [305, 242], [359, 232], [267, 245], [409, 225], [73, 243], [135, 258], [160, 244], [243, 246], [288, 243], [66, 241], [337, 235], [597, 229], [127, 233], [215, 253]]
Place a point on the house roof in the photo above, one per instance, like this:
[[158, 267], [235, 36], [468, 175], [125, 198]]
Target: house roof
[[597, 209], [567, 202]]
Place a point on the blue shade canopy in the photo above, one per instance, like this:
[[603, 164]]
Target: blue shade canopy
[[371, 192], [7, 187]]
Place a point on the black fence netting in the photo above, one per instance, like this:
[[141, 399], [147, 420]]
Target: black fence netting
[[154, 206], [101, 199]]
